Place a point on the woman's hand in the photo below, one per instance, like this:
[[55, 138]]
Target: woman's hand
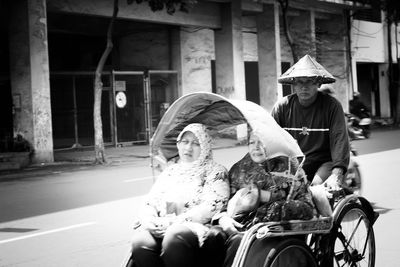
[[244, 200], [157, 225], [229, 225]]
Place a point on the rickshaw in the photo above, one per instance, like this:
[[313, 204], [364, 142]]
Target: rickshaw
[[344, 239]]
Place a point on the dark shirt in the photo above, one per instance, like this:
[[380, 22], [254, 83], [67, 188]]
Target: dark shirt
[[320, 129]]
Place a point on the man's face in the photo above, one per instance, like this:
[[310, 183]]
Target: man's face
[[306, 89]]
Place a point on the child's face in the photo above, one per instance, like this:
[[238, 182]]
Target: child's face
[[256, 149]]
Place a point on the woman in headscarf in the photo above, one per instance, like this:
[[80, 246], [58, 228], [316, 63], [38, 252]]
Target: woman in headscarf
[[183, 200], [268, 184]]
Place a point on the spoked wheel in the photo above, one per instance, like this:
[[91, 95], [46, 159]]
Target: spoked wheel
[[353, 244], [290, 253]]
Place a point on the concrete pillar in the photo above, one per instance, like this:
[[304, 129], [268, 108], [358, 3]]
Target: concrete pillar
[[29, 68], [176, 58], [193, 50], [269, 55], [384, 97], [229, 64], [332, 49]]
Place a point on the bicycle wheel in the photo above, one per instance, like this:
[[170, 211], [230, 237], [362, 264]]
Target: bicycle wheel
[[352, 242], [290, 252]]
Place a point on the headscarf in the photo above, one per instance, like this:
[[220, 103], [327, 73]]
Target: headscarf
[[184, 174]]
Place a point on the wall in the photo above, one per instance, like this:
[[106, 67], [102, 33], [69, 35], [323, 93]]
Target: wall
[[368, 41], [205, 14], [333, 54], [145, 50]]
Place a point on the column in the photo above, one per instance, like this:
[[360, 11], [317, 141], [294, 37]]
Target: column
[[269, 55], [193, 50], [29, 73], [229, 66]]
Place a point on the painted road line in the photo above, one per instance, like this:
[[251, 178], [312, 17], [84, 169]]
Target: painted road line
[[47, 232], [138, 179]]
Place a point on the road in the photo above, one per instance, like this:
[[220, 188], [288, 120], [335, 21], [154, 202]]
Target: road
[[84, 217]]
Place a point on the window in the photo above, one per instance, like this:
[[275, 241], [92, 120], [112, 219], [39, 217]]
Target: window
[[370, 14]]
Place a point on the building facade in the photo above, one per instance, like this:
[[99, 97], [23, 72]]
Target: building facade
[[234, 48]]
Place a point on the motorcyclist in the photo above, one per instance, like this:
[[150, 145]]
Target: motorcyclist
[[359, 118], [357, 107]]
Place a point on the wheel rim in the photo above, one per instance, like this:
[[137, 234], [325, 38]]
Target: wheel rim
[[293, 256], [354, 245]]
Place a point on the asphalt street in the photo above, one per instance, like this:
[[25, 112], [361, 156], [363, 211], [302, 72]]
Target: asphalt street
[[84, 216]]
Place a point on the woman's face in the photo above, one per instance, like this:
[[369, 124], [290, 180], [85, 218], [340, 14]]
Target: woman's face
[[189, 147], [256, 150]]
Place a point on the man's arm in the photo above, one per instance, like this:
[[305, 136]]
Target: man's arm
[[276, 113], [339, 140]]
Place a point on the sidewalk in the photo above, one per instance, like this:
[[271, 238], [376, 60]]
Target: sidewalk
[[82, 158], [113, 154]]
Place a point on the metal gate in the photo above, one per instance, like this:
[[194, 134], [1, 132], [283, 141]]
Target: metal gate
[[133, 103], [141, 99], [72, 100]]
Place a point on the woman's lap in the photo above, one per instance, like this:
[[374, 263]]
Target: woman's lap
[[146, 249], [179, 247]]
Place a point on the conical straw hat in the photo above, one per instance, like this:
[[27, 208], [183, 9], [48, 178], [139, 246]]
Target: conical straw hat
[[307, 67]]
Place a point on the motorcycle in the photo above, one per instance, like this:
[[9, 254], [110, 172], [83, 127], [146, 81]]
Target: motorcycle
[[359, 126]]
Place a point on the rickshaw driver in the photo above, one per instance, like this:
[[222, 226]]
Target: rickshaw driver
[[316, 121]]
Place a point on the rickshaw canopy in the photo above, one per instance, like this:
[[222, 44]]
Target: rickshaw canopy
[[217, 113]]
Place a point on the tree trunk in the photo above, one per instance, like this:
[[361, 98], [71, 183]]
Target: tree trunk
[[98, 88], [284, 4]]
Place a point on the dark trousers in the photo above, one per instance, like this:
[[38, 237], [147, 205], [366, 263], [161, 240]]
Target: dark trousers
[[178, 248], [232, 245]]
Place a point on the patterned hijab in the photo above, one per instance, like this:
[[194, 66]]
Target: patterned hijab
[[174, 183]]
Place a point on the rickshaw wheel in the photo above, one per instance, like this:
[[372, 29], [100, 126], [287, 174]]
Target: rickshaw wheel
[[352, 241], [291, 252]]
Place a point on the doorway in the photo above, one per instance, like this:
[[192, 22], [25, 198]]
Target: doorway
[[368, 86], [251, 80]]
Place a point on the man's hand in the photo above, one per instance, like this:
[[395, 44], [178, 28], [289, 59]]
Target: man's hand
[[334, 181], [229, 225]]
